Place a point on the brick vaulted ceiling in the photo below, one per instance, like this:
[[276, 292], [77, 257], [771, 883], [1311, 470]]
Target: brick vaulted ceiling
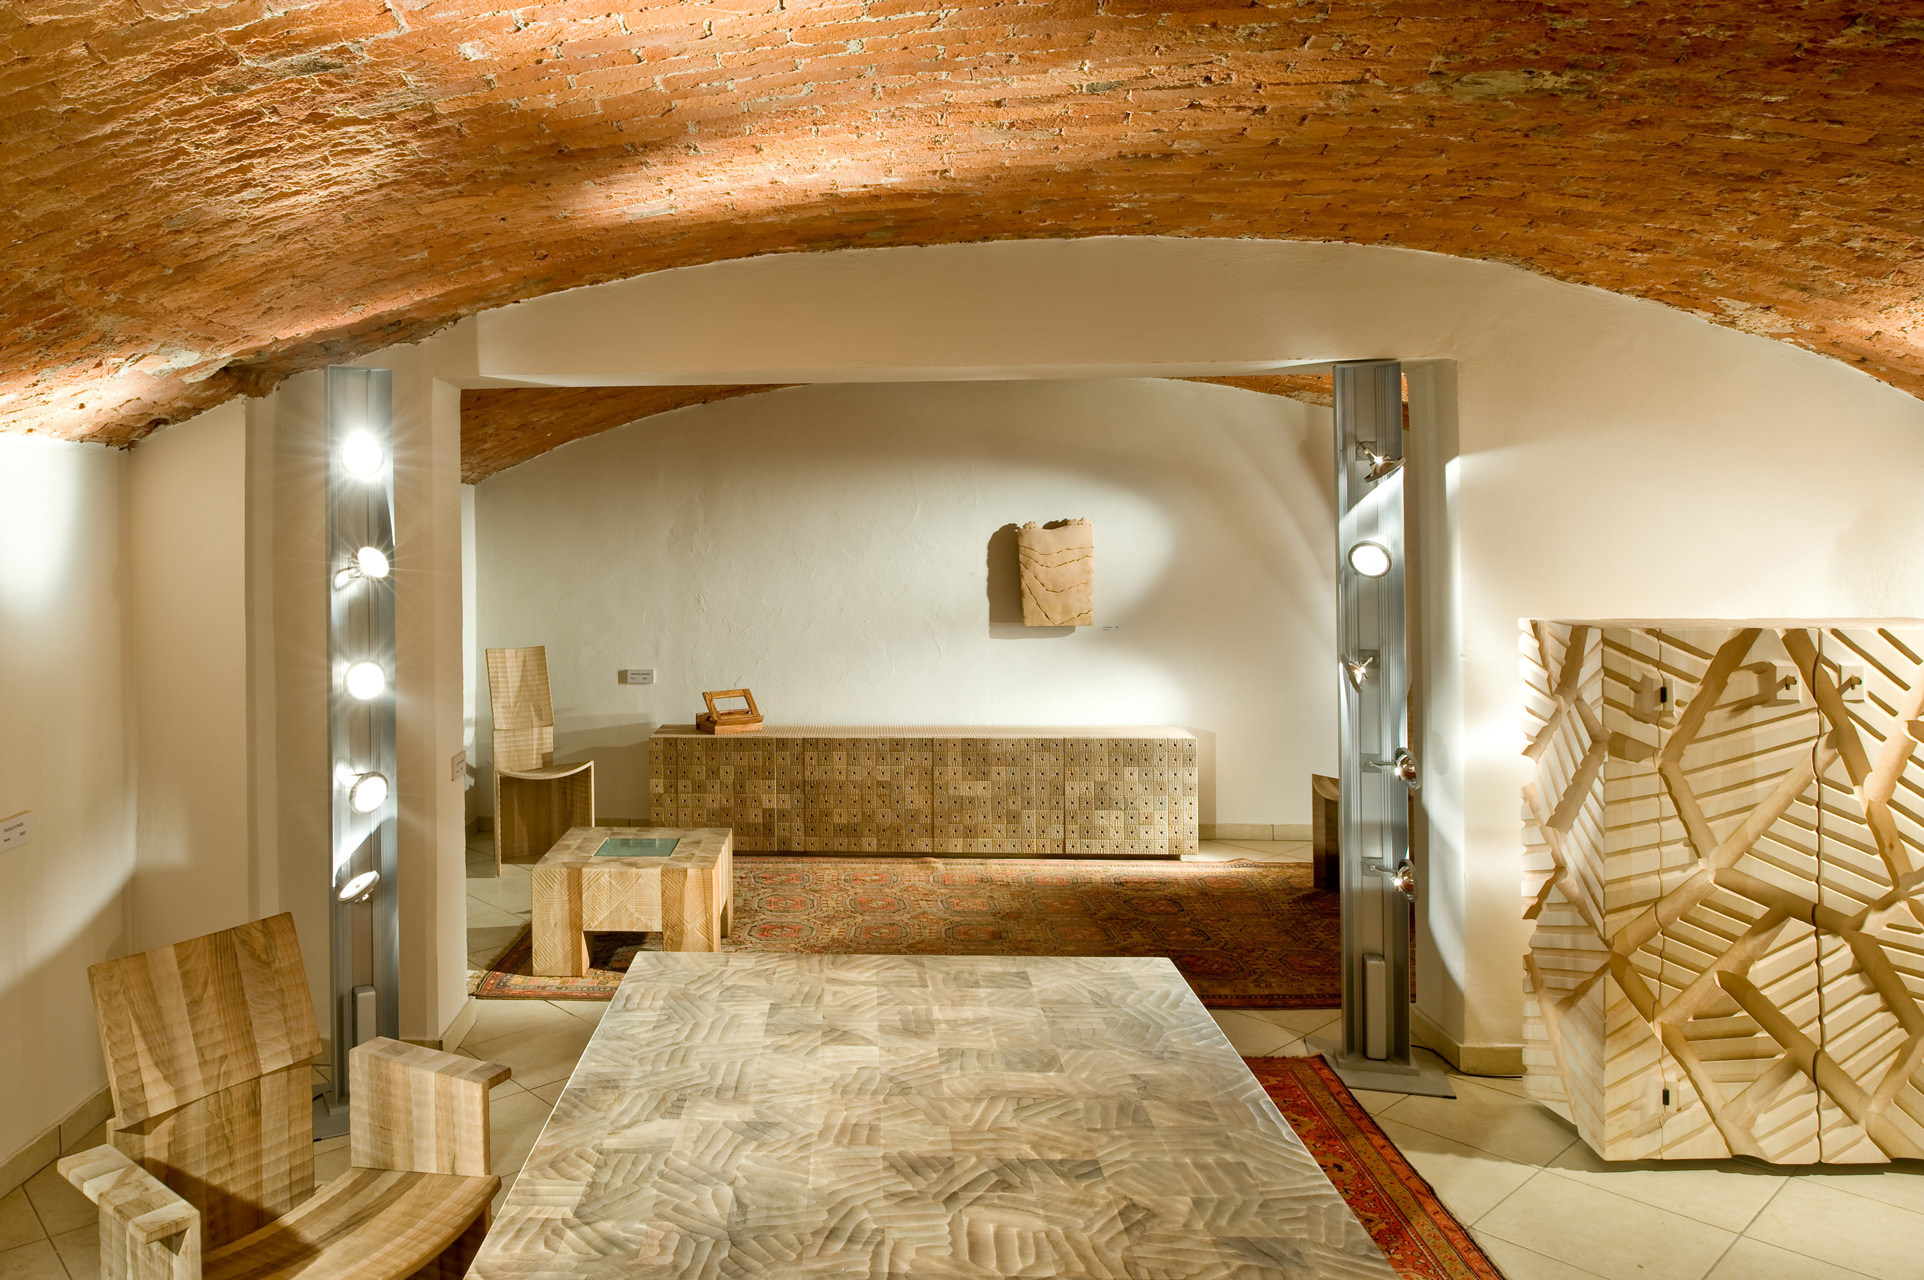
[[200, 198]]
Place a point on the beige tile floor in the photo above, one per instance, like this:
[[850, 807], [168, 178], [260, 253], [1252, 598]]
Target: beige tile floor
[[1540, 1203]]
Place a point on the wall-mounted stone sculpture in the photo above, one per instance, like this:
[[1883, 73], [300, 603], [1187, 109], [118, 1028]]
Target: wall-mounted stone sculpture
[[1058, 573]]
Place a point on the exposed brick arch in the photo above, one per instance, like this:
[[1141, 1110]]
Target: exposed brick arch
[[197, 200]]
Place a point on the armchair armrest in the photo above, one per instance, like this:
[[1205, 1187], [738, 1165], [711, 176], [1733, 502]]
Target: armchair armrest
[[146, 1231], [419, 1110]]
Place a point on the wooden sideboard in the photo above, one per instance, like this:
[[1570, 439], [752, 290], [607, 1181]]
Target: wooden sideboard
[[1085, 792], [1723, 856]]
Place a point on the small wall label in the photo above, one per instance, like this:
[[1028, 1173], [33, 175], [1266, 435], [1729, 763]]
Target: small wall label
[[16, 831]]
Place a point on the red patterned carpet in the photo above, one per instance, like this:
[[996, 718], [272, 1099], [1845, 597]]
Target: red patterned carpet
[[1247, 935], [1400, 1210]]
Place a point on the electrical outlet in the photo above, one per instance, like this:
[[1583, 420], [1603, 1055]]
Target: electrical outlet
[[16, 831], [637, 675]]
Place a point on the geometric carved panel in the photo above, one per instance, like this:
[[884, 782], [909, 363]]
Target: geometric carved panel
[[1723, 853]]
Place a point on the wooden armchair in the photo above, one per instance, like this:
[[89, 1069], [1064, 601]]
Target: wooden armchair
[[535, 800], [209, 1174]]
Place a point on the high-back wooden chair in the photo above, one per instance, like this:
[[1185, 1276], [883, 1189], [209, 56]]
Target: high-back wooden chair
[[209, 1171], [535, 800]]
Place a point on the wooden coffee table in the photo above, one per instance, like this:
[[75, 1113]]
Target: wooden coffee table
[[602, 879]]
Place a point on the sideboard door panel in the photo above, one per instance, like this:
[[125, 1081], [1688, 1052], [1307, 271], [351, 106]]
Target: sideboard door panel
[[1868, 690]]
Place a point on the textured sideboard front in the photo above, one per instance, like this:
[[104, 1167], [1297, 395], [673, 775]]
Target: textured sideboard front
[[1724, 850], [1081, 792]]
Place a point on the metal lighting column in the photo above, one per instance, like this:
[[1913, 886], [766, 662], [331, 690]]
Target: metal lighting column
[[1378, 772], [365, 939]]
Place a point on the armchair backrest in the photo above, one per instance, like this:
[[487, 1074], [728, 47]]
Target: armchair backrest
[[209, 1046], [523, 711]]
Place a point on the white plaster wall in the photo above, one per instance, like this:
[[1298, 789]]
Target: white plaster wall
[[830, 548], [1617, 458], [187, 542], [64, 755]]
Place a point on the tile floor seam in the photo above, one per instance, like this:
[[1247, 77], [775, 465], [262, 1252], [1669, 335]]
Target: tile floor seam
[[1773, 1244], [1500, 1203]]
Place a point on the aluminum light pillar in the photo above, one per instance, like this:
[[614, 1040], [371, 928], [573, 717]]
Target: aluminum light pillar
[[1377, 769], [363, 901]]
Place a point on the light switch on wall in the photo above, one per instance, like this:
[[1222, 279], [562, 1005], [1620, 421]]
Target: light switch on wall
[[16, 831], [637, 675], [458, 766]]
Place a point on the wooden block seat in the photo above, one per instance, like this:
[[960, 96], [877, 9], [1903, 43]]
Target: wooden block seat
[[209, 1170], [367, 1224]]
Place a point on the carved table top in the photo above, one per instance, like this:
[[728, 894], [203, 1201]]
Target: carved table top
[[697, 848], [755, 1113]]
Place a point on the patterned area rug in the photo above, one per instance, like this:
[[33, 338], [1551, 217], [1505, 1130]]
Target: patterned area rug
[[1247, 935], [1401, 1211]]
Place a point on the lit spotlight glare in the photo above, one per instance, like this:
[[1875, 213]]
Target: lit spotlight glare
[[362, 455], [371, 562], [365, 680], [368, 793]]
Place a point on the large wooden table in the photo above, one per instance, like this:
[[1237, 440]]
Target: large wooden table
[[1101, 791], [760, 1114]]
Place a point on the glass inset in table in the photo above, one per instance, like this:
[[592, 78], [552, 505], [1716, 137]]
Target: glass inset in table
[[637, 846]]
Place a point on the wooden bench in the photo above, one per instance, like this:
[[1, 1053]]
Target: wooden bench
[[209, 1170]]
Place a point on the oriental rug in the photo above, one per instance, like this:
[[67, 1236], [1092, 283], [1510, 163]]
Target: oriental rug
[[1400, 1210], [1246, 935]]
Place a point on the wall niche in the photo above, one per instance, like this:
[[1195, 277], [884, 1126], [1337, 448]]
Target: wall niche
[[1723, 850]]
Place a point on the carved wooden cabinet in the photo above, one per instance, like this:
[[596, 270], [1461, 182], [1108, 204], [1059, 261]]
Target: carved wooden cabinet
[[1724, 857], [1094, 792]]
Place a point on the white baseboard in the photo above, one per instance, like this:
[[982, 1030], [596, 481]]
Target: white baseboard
[[55, 1141], [1255, 831], [458, 1028], [1470, 1059]]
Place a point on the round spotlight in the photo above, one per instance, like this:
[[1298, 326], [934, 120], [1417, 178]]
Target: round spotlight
[[368, 793], [359, 887], [362, 456], [371, 561], [365, 680], [1369, 559]]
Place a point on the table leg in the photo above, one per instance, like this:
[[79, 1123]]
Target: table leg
[[560, 946]]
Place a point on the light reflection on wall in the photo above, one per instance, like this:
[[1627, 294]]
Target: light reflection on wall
[[40, 516]]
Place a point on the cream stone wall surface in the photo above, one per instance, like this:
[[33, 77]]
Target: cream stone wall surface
[[849, 553], [187, 564], [65, 754]]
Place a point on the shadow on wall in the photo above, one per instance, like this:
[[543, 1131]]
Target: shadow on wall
[[1005, 592]]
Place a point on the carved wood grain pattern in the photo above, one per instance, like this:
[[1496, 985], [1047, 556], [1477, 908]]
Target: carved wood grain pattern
[[185, 1021], [535, 801], [242, 1156], [977, 796], [419, 1109], [209, 1044], [147, 1232], [1759, 949], [367, 1224], [696, 903]]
